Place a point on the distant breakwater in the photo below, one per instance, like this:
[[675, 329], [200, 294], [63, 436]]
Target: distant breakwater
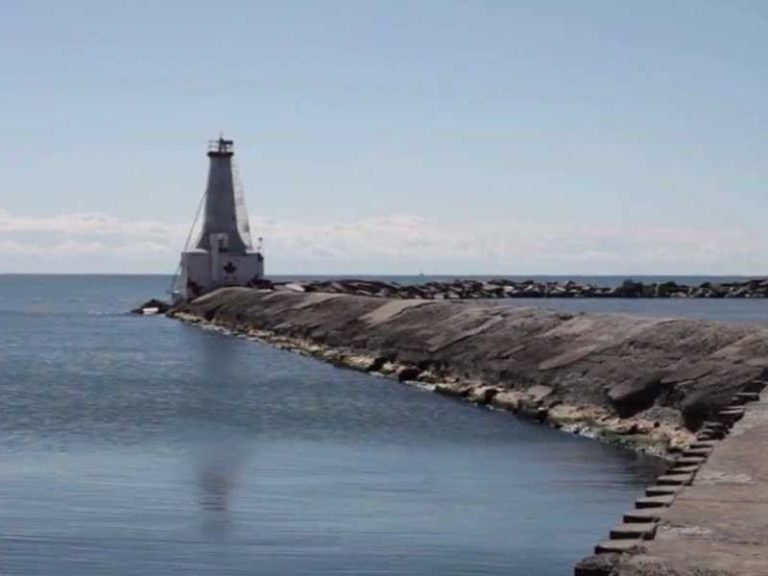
[[467, 289], [645, 382]]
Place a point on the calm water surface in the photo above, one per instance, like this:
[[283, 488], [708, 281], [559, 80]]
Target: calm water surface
[[142, 446]]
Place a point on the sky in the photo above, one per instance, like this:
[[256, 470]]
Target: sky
[[390, 137]]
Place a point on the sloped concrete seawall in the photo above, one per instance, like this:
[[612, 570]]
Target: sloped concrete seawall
[[649, 382]]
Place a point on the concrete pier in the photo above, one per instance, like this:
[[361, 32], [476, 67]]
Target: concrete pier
[[716, 526]]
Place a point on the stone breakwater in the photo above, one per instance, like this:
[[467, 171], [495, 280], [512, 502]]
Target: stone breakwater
[[645, 382], [462, 289]]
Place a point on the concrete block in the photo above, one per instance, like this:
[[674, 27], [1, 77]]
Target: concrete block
[[634, 531], [755, 386], [620, 546], [703, 444], [712, 425], [702, 452], [683, 469], [674, 479], [653, 502], [746, 397], [659, 490], [731, 414], [643, 515], [690, 461]]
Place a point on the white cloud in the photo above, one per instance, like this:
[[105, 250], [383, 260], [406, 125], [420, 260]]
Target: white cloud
[[396, 243]]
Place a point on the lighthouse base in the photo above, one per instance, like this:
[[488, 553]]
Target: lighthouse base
[[203, 271]]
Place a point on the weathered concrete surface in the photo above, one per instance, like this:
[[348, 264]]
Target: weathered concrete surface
[[719, 524], [642, 378]]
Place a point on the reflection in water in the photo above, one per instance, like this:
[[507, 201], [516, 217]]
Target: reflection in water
[[215, 483], [218, 460], [219, 453]]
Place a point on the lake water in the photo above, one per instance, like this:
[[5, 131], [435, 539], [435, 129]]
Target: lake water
[[143, 446]]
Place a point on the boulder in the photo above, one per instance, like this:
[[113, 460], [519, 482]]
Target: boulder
[[538, 393], [665, 289], [630, 289], [453, 389], [508, 400], [361, 362], [407, 373], [633, 396], [482, 394]]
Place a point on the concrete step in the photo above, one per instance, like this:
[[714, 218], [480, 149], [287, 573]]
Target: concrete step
[[703, 452], [662, 490], [674, 479], [746, 397], [624, 545], [703, 444], [653, 502], [734, 408], [732, 413], [683, 469], [712, 435], [690, 461], [720, 430], [643, 515], [712, 425], [634, 531], [755, 386]]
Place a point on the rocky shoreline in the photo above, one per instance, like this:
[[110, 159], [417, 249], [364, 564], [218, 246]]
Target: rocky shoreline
[[464, 289], [646, 383]]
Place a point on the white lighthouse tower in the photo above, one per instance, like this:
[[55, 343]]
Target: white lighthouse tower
[[223, 254]]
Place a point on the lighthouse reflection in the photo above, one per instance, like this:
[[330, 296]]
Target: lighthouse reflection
[[219, 447], [219, 463], [219, 460]]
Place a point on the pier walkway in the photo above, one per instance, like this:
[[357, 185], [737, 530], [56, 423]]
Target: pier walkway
[[720, 522], [716, 526]]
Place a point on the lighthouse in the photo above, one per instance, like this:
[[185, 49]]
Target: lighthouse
[[223, 254]]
